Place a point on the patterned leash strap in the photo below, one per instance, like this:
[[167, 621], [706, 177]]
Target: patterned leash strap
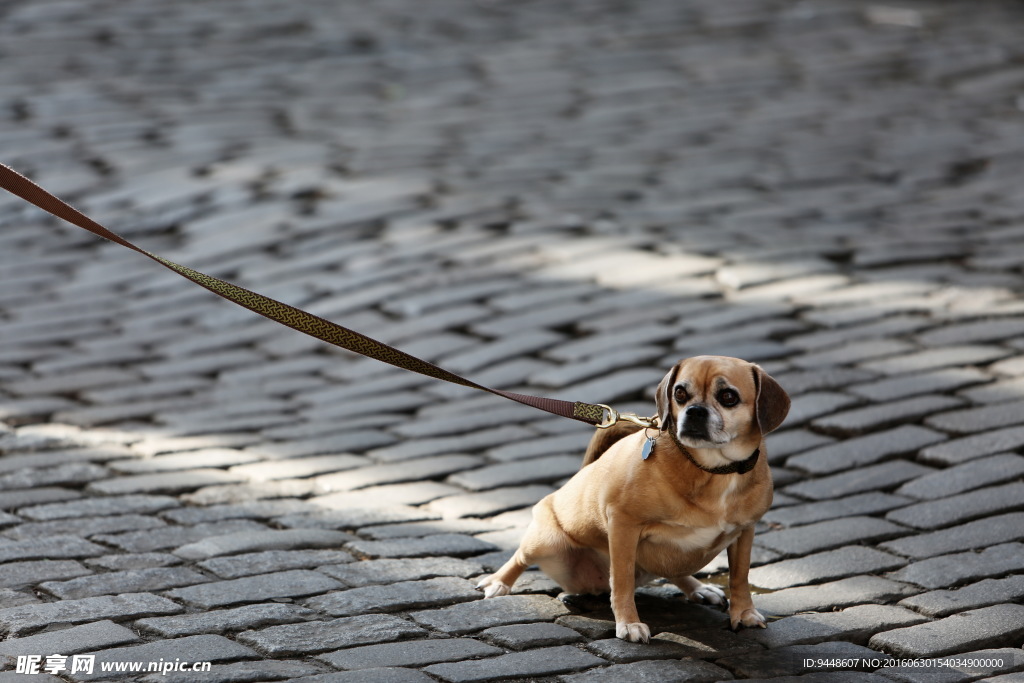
[[296, 318]]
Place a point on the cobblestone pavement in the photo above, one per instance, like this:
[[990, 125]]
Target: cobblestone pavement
[[563, 198]]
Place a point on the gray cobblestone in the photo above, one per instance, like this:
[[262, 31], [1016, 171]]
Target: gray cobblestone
[[355, 518], [970, 475], [298, 467], [257, 509], [221, 621], [834, 594], [70, 474], [115, 505], [374, 572], [475, 616], [320, 636], [829, 534], [22, 574], [237, 494], [163, 538], [950, 570], [984, 418], [381, 675], [893, 388], [12, 598], [139, 561], [977, 534], [50, 547], [11, 500], [17, 621], [422, 468], [238, 672], [587, 626], [132, 580], [864, 450], [621, 651], [269, 561], [410, 653], [207, 457], [974, 331], [534, 448], [994, 626], [965, 507], [540, 662], [396, 596], [956, 451], [885, 475], [808, 406], [683, 671], [953, 668], [469, 526], [248, 541], [519, 472], [831, 564], [456, 545], [798, 382], [164, 482], [860, 420], [783, 444], [936, 358], [858, 504], [853, 352], [855, 624], [490, 502], [524, 636], [70, 641], [201, 648], [987, 592], [50, 458], [995, 392], [85, 526], [287, 584], [421, 448], [409, 493]]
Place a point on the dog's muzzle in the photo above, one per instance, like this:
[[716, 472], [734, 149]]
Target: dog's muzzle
[[695, 422]]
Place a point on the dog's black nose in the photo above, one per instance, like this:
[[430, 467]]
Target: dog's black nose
[[697, 412]]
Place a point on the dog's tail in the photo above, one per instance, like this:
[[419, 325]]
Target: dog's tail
[[604, 438]]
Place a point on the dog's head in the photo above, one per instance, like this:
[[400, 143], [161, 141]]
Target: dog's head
[[710, 401]]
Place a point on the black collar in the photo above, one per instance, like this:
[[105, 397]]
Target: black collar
[[735, 467]]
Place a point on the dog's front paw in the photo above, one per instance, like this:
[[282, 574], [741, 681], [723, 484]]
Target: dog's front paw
[[492, 587], [712, 595], [749, 617], [634, 632]]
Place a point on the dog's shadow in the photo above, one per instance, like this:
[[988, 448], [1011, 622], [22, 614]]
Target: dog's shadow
[[662, 607]]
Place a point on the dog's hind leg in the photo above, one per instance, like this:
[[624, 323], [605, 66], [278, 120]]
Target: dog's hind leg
[[700, 592], [501, 582], [541, 541]]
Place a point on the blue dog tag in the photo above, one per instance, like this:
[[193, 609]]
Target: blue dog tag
[[645, 452]]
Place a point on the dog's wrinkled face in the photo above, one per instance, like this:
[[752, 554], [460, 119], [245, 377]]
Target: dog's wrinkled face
[[710, 401]]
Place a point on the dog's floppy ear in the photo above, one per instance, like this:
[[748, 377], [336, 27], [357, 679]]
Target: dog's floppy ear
[[772, 404], [663, 397]]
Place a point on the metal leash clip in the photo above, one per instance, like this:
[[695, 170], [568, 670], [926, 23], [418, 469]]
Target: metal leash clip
[[615, 416]]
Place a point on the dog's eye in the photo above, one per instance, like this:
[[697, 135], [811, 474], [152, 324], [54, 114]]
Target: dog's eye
[[728, 397], [682, 395]]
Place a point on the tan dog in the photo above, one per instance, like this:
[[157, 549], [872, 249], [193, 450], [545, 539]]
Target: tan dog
[[705, 483]]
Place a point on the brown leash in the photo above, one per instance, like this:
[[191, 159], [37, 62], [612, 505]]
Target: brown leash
[[300, 320]]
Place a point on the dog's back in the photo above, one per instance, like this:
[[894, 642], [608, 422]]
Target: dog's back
[[604, 438]]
